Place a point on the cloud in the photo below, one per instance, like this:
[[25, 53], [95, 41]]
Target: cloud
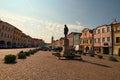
[[76, 27], [39, 28]]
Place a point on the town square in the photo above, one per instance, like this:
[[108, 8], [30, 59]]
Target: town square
[[59, 40]]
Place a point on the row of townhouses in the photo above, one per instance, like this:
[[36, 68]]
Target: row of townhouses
[[12, 37], [103, 39]]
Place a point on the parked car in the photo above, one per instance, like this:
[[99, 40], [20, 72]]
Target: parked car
[[44, 48], [58, 49]]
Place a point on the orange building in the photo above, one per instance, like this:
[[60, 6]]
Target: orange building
[[86, 40]]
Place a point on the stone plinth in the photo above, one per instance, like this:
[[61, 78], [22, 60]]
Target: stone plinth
[[65, 51]]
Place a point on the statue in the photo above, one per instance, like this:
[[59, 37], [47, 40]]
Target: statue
[[65, 30]]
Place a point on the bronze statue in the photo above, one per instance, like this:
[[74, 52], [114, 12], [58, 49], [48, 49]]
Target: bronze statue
[[65, 30]]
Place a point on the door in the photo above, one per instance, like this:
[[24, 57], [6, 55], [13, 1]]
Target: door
[[105, 50]]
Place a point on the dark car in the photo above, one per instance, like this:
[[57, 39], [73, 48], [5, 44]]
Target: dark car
[[44, 48], [58, 49]]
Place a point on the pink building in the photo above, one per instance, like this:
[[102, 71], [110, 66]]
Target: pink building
[[102, 39]]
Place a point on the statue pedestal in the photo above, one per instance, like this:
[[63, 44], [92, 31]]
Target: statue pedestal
[[65, 51]]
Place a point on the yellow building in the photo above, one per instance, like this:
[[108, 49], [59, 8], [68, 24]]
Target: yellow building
[[24, 40], [6, 34], [116, 38], [17, 37]]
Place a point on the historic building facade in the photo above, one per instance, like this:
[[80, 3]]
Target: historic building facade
[[102, 39], [17, 37], [86, 40], [6, 35], [74, 39], [12, 37], [116, 38]]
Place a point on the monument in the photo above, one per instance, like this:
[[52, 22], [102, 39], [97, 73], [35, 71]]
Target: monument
[[65, 51]]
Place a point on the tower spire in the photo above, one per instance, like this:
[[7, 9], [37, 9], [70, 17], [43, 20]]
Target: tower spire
[[115, 21], [52, 39]]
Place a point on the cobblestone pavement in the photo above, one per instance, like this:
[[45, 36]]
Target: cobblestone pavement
[[44, 66]]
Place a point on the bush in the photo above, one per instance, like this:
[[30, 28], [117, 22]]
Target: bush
[[10, 58], [27, 53], [100, 56], [84, 54], [21, 56], [32, 51], [21, 51], [111, 58]]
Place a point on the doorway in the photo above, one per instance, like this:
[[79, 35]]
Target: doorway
[[105, 50], [119, 52], [87, 49]]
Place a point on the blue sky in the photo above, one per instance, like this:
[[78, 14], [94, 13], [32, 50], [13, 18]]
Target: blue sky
[[44, 18]]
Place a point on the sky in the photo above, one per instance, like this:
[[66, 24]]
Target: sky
[[46, 18]]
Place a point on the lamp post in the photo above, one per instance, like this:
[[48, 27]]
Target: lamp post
[[112, 40]]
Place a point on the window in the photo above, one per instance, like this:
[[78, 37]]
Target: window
[[85, 34], [118, 28], [108, 38], [8, 36], [98, 40], [114, 28], [83, 41], [3, 27], [103, 30], [98, 31], [95, 40], [90, 40], [86, 41], [5, 35], [103, 39], [117, 39], [2, 34], [6, 28], [108, 29]]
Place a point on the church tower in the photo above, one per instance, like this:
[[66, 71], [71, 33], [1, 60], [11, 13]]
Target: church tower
[[52, 39]]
